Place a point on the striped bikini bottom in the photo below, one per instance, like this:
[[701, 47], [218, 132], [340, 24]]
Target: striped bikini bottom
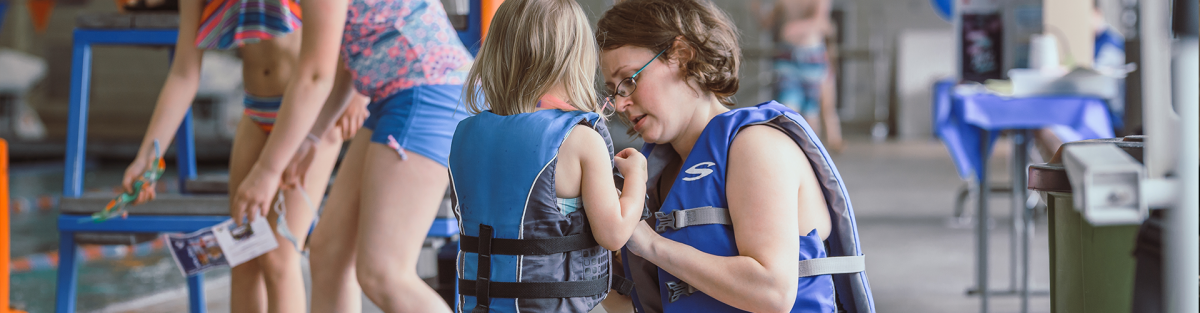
[[262, 110]]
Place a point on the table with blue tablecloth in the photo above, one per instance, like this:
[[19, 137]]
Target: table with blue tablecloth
[[968, 119]]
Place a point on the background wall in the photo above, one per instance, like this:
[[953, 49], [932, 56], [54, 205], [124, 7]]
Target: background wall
[[126, 80]]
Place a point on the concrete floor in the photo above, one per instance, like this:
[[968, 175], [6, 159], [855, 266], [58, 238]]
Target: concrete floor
[[903, 194]]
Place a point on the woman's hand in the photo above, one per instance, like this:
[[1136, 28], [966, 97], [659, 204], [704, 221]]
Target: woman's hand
[[643, 237], [254, 195]]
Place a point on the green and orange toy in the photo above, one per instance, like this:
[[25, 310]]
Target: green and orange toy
[[116, 207]]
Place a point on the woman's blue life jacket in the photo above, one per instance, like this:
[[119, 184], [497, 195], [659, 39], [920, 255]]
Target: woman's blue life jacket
[[695, 212]]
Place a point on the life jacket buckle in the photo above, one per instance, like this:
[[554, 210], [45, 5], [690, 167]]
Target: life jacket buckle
[[666, 220], [679, 289]]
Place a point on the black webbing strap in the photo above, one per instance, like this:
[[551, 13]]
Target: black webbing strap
[[528, 290], [529, 246], [621, 285], [483, 289], [484, 269]]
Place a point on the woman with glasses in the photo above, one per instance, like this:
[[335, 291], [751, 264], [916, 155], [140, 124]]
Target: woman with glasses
[[745, 201]]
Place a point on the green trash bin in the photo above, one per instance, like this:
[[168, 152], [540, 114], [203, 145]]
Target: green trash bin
[[1091, 267]]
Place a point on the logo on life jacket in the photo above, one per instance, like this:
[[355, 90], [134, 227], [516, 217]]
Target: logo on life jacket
[[700, 170]]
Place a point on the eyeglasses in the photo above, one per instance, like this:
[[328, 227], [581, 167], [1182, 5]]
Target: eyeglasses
[[626, 87]]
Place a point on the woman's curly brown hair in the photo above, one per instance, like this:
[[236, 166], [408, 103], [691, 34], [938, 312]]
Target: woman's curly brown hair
[[709, 34]]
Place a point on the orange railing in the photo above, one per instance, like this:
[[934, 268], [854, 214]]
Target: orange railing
[[4, 231], [4, 238], [489, 10]]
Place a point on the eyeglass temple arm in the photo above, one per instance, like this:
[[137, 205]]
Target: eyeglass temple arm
[[635, 74]]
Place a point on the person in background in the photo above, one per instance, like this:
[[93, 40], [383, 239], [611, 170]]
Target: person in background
[[804, 79], [1109, 51], [1108, 57]]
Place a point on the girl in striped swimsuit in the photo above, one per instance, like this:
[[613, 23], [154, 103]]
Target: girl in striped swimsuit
[[266, 34]]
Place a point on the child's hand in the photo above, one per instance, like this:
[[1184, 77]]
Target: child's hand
[[294, 173], [632, 165], [253, 197], [351, 120], [135, 172]]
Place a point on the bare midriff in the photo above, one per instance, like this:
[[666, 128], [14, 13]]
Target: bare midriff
[[267, 65]]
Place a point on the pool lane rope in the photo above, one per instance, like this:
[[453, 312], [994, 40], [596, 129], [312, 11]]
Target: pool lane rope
[[49, 260]]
